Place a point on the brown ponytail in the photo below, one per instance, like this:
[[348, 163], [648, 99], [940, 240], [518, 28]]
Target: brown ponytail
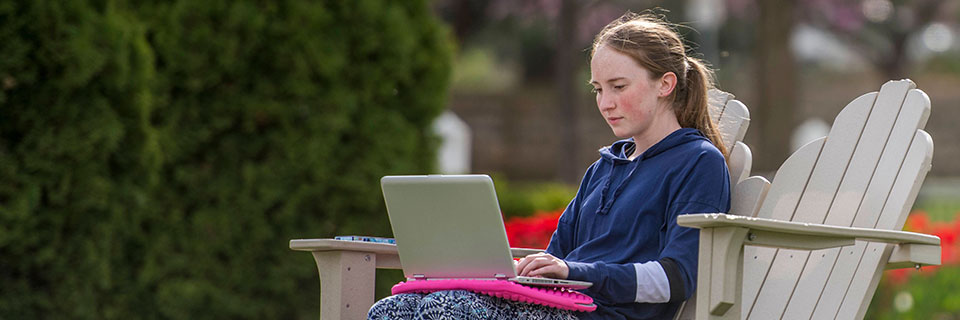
[[654, 45], [691, 106]]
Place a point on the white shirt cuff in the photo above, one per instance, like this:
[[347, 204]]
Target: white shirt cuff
[[652, 283]]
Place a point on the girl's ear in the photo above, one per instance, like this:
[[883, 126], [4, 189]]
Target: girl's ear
[[668, 82]]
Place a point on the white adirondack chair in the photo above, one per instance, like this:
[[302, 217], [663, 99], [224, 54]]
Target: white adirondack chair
[[348, 269], [814, 246]]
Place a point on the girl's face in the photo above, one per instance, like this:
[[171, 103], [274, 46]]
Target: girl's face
[[628, 97]]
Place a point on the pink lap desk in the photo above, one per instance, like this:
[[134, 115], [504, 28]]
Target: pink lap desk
[[551, 297]]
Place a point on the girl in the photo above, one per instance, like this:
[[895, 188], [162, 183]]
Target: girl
[[620, 230]]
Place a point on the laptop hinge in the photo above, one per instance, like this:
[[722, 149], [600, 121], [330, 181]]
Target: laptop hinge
[[500, 276], [419, 277]]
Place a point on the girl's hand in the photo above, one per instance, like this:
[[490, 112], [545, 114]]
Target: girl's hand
[[543, 265]]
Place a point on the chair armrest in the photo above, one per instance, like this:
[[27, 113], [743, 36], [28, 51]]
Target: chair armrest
[[347, 272], [914, 255], [320, 245], [723, 236], [763, 232]]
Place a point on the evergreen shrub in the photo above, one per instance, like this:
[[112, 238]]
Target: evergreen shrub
[[157, 157]]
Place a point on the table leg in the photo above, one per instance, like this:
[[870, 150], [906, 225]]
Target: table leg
[[347, 281]]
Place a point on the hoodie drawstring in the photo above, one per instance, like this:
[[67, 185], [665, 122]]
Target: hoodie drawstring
[[605, 206]]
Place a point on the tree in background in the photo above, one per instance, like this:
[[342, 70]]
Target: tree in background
[[155, 159], [877, 31], [774, 111], [880, 30]]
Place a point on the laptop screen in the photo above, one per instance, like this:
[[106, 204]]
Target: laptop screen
[[447, 226]]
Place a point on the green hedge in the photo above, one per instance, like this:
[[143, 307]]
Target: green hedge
[[157, 157], [519, 199]]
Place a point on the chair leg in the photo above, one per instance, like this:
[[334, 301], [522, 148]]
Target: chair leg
[[720, 273], [347, 281]]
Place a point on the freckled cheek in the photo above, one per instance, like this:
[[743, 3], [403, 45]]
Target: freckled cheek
[[632, 104], [626, 105]]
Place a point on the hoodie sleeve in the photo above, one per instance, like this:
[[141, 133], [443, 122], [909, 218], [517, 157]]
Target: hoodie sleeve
[[622, 283], [706, 189], [562, 241]]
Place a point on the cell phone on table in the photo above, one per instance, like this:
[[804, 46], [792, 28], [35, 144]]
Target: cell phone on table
[[366, 239]]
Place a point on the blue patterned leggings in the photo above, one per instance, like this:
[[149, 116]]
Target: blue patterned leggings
[[460, 304]]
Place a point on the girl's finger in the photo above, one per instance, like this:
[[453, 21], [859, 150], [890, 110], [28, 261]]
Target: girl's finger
[[546, 271], [526, 260], [523, 264], [537, 263]]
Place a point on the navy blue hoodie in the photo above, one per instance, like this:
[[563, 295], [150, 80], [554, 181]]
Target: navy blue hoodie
[[625, 213]]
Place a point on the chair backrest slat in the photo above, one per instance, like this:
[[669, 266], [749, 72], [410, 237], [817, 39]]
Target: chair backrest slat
[[834, 161], [741, 160], [716, 102], [850, 177], [858, 294], [781, 197], [732, 119], [790, 182], [915, 113], [733, 122]]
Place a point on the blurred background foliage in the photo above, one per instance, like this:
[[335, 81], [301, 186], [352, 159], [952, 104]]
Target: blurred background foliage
[[157, 157], [521, 72], [522, 199]]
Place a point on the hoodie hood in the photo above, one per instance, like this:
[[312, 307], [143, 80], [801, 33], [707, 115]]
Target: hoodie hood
[[618, 154], [620, 150]]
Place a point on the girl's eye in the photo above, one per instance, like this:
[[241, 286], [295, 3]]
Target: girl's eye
[[595, 90], [620, 87]]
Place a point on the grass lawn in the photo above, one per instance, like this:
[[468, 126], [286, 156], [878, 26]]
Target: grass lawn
[[939, 198]]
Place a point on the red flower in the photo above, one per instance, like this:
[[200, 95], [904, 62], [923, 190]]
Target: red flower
[[534, 231], [918, 221], [897, 277]]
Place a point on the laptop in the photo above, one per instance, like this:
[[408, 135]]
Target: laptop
[[450, 227]]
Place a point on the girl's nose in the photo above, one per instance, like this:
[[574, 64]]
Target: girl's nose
[[605, 103]]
